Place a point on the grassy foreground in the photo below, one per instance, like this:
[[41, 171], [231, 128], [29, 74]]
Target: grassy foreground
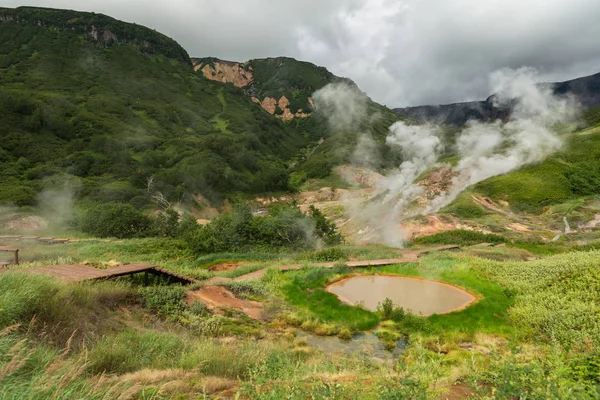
[[532, 334]]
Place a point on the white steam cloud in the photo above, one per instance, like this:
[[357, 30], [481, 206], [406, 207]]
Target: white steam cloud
[[57, 202], [485, 150], [344, 105]]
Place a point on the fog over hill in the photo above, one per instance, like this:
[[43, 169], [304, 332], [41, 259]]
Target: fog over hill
[[584, 91]]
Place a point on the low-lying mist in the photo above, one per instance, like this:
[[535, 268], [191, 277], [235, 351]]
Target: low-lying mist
[[484, 150]]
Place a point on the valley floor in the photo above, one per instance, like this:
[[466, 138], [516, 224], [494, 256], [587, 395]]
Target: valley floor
[[532, 333]]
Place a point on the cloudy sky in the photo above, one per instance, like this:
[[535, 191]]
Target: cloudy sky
[[402, 52]]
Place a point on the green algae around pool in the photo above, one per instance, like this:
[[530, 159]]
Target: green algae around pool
[[420, 296]]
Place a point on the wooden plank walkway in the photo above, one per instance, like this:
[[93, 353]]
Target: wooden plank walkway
[[407, 257], [80, 272], [43, 240]]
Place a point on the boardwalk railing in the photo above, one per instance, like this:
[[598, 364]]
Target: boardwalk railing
[[10, 250]]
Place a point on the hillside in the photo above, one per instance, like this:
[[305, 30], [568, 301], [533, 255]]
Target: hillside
[[117, 111], [585, 91], [282, 86]]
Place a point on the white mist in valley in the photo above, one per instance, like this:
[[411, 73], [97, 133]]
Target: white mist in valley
[[485, 150]]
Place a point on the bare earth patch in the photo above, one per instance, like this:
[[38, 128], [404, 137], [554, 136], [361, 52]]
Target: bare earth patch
[[217, 298], [226, 266]]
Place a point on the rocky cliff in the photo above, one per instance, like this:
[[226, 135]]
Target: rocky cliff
[[282, 86]]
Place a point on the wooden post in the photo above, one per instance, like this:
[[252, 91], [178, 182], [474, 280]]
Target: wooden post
[[145, 278], [17, 257]]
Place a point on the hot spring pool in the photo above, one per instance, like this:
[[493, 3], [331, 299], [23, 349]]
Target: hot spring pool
[[420, 296]]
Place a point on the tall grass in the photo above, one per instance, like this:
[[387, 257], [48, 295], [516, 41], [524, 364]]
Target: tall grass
[[58, 309], [131, 350], [556, 298], [37, 371]]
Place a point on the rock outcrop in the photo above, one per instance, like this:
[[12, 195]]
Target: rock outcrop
[[270, 104], [241, 75]]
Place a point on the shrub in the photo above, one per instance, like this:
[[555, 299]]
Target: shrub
[[460, 237], [284, 227], [244, 289], [198, 308], [166, 299], [325, 230], [345, 334], [386, 308], [166, 224], [327, 255], [112, 220]]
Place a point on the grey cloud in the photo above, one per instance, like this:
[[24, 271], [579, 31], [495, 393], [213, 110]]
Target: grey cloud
[[400, 52]]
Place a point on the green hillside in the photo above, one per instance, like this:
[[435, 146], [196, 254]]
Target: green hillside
[[116, 105], [571, 173]]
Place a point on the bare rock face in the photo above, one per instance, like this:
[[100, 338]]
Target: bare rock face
[[241, 75], [438, 182], [226, 72], [270, 104], [105, 36]]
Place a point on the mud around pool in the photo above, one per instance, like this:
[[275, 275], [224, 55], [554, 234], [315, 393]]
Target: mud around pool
[[420, 296]]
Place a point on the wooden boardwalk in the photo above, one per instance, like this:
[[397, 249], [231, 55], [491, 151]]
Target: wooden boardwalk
[[407, 257], [43, 240], [80, 272]]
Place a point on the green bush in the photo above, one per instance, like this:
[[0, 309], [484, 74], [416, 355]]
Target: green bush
[[244, 289], [585, 178], [166, 224], [386, 308], [389, 311], [113, 220], [459, 237], [327, 255], [325, 230], [283, 227], [17, 194], [165, 299]]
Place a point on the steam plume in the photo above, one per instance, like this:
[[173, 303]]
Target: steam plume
[[486, 150], [343, 104]]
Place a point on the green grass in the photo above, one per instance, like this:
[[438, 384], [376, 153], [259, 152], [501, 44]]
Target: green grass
[[304, 289], [130, 350], [40, 304], [488, 314], [556, 298], [564, 176], [220, 123], [533, 330], [459, 237], [464, 207]]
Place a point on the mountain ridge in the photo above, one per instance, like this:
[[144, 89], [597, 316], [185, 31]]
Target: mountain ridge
[[585, 91]]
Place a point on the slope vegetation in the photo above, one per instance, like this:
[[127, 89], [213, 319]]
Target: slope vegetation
[[119, 109]]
